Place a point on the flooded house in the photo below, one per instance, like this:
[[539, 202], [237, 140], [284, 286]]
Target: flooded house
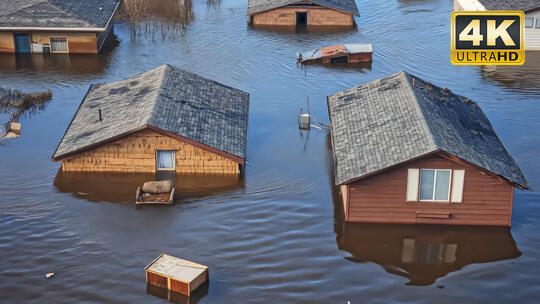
[[56, 26], [407, 151], [165, 119], [302, 12], [531, 8]]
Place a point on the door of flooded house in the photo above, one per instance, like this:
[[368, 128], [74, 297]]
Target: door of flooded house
[[22, 42], [301, 18]]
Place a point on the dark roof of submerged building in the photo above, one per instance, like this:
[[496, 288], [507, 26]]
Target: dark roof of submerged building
[[259, 6], [167, 98], [56, 14], [402, 117], [511, 5]]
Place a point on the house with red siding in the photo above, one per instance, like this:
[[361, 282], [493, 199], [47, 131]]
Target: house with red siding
[[407, 151]]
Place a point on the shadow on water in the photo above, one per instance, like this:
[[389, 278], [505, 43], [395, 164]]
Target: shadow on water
[[178, 298], [424, 253], [520, 78], [120, 188]]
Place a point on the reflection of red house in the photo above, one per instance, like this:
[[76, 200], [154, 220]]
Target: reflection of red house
[[406, 151], [425, 253]]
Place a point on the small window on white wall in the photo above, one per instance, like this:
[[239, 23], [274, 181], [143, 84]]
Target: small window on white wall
[[529, 22], [435, 184], [165, 160], [537, 22]]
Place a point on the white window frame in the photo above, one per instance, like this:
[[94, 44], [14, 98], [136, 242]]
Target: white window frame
[[165, 169], [435, 186], [61, 52], [529, 19]]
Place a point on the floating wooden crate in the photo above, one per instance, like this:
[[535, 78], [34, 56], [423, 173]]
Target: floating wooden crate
[[176, 274]]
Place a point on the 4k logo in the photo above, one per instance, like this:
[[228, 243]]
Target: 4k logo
[[487, 38]]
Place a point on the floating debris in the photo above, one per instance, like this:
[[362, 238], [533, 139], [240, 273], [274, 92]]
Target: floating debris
[[16, 103], [304, 119], [350, 53], [176, 274], [49, 275], [155, 192]]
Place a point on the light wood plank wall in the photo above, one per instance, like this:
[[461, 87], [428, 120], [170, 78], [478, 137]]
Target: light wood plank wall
[[137, 153], [316, 16]]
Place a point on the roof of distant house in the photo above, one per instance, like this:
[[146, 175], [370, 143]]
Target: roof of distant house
[[401, 117], [57, 14], [510, 5], [258, 6], [168, 99]]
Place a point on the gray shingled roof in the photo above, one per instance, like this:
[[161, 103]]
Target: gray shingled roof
[[168, 98], [69, 14], [257, 6], [389, 121], [510, 5]]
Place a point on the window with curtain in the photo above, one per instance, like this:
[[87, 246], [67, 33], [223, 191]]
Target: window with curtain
[[165, 160], [58, 45], [434, 184]]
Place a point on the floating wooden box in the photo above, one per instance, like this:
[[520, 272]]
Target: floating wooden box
[[176, 274]]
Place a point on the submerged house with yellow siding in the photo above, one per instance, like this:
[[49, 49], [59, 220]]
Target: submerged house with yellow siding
[[164, 119], [302, 12], [55, 26]]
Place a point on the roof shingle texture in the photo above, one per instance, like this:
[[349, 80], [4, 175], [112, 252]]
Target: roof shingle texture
[[168, 98], [510, 5], [390, 121], [257, 6], [56, 13]]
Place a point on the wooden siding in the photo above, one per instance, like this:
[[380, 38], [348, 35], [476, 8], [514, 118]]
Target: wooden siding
[[532, 34], [156, 279], [137, 153], [180, 287], [7, 44], [317, 16], [78, 43], [381, 198]]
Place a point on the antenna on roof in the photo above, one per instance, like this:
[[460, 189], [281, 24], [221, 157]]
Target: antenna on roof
[[99, 111]]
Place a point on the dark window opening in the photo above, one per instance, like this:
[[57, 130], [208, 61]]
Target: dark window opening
[[301, 18], [339, 59]]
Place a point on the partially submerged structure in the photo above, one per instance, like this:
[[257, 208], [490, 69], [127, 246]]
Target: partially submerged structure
[[164, 119], [407, 151], [176, 274], [530, 7], [55, 26], [351, 53], [302, 12]]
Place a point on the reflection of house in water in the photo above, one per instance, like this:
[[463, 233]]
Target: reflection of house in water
[[61, 64], [425, 253], [117, 188], [519, 77]]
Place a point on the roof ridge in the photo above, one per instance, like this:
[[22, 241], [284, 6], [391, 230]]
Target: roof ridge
[[151, 115], [416, 105]]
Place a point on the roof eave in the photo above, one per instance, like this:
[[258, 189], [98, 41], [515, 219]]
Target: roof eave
[[314, 2]]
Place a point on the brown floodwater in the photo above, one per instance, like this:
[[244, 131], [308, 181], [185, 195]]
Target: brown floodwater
[[274, 235]]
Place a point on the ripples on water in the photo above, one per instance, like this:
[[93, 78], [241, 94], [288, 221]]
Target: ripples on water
[[275, 235]]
